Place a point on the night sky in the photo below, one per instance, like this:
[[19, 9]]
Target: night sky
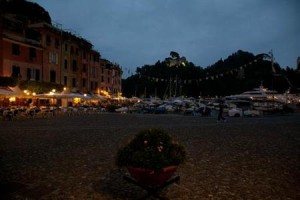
[[133, 33]]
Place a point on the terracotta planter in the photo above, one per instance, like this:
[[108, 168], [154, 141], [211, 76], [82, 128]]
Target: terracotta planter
[[149, 177]]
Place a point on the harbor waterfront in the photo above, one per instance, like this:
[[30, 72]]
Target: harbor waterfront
[[73, 157]]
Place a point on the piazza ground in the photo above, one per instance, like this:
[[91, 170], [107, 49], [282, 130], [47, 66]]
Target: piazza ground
[[73, 157]]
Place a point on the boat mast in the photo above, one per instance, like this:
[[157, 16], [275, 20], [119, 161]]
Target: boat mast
[[272, 61], [273, 70]]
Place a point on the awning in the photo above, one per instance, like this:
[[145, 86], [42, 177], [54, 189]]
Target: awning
[[7, 92], [63, 96]]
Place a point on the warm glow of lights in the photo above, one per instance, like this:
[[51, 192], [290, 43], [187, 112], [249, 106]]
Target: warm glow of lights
[[77, 100], [53, 90], [105, 93], [65, 88], [12, 99], [119, 94], [84, 95], [27, 92]]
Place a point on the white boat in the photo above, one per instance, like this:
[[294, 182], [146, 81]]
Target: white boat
[[262, 99], [122, 110], [259, 94]]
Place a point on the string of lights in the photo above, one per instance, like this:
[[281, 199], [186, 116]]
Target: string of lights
[[206, 77]]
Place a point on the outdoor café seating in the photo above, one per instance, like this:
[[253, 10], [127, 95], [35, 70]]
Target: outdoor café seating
[[7, 114]]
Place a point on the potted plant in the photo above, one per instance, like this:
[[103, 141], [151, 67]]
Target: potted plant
[[151, 157]]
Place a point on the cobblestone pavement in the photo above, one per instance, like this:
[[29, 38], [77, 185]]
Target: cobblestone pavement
[[73, 157]]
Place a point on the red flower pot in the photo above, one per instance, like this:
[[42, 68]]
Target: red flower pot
[[150, 177]]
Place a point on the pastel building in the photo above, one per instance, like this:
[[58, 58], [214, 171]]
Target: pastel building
[[44, 52], [21, 53]]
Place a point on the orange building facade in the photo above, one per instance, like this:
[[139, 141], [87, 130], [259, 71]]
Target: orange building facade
[[21, 57], [43, 52]]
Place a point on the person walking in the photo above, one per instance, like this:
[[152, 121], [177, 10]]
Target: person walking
[[221, 110]]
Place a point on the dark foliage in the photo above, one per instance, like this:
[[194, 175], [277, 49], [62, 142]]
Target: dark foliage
[[154, 80], [26, 11], [151, 149], [143, 83], [40, 87], [8, 81]]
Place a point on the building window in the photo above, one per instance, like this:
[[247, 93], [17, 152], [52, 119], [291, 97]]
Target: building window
[[65, 80], [16, 49], [32, 53], [74, 66], [66, 47], [52, 76], [57, 42], [66, 64], [92, 85], [16, 71], [48, 40], [29, 74], [102, 79], [83, 82], [96, 73], [53, 58], [33, 74], [84, 68], [91, 71], [37, 74], [73, 82]]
